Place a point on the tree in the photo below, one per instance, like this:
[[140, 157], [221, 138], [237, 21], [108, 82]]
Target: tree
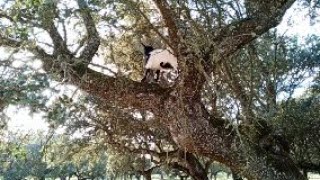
[[299, 123], [21, 159], [221, 106], [39, 156]]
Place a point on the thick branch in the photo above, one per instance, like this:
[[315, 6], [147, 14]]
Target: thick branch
[[265, 8], [59, 44], [93, 42], [194, 167], [238, 34], [168, 16], [122, 91]]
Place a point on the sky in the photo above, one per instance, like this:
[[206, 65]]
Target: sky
[[22, 121]]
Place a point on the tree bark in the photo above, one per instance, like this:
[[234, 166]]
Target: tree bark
[[190, 165], [236, 176], [147, 174], [195, 168]]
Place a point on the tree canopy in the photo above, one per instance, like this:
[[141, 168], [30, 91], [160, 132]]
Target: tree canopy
[[232, 106]]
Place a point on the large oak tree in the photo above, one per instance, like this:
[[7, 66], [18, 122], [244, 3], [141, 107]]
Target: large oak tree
[[220, 107]]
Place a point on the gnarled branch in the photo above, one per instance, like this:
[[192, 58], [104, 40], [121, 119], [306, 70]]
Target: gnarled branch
[[93, 41], [168, 17]]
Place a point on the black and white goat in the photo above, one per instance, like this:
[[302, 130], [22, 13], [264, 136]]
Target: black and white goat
[[158, 61]]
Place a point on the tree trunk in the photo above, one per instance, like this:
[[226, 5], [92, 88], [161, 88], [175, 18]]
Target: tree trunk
[[147, 174], [196, 131], [305, 174], [236, 176], [161, 176], [195, 168]]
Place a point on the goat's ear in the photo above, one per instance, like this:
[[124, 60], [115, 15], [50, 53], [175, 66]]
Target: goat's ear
[[147, 49], [143, 45]]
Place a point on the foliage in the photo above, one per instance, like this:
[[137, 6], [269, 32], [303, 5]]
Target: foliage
[[233, 103], [52, 158], [300, 122]]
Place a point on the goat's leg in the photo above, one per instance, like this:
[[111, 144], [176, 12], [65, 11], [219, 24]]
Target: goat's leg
[[147, 74], [157, 75]]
